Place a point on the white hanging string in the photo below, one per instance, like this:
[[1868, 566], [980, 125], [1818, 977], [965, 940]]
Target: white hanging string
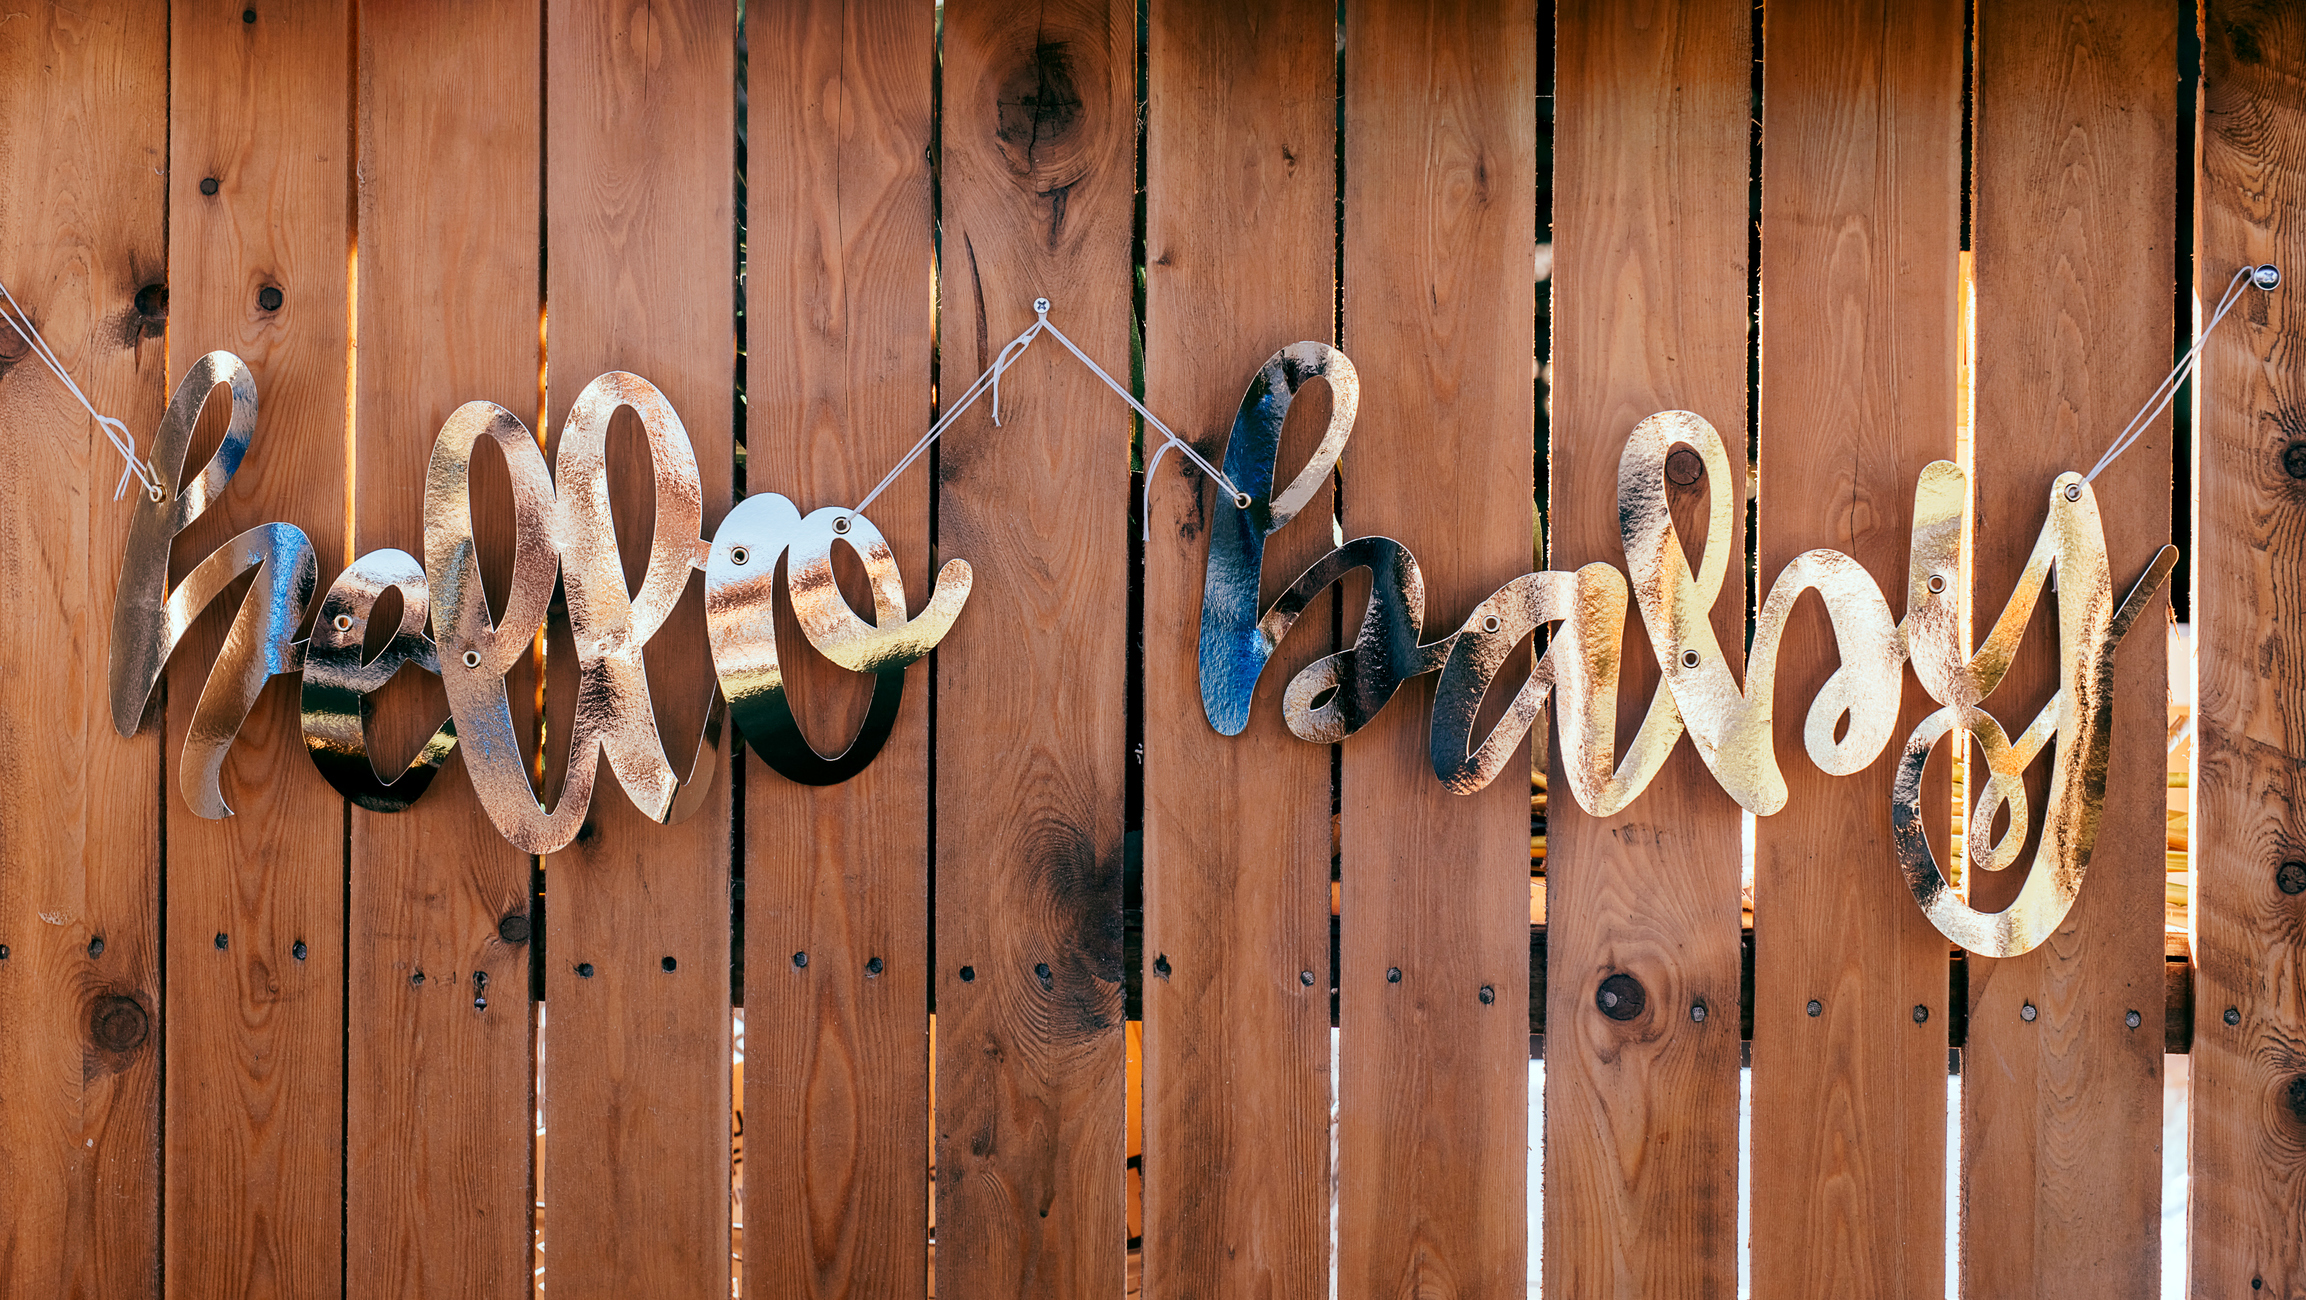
[[122, 441], [2265, 278], [990, 381]]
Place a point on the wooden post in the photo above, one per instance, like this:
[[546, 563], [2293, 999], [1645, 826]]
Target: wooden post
[[1861, 186], [440, 1077], [2062, 1113], [1237, 828], [1652, 148], [1039, 140], [2247, 1213], [640, 140], [255, 1107], [1440, 315], [82, 248], [838, 312]]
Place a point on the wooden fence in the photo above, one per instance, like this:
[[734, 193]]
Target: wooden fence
[[295, 1052]]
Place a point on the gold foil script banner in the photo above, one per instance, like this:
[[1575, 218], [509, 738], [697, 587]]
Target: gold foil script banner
[[564, 535], [1848, 725]]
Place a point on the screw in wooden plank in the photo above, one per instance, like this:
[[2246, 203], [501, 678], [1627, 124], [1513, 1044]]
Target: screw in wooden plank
[[297, 950], [1393, 974], [2027, 1013], [1161, 965], [968, 974], [417, 978], [1697, 1012], [670, 965], [1041, 973], [584, 970], [872, 968], [1488, 995], [2132, 1019], [2233, 1015], [1305, 977], [800, 959], [222, 942], [1816, 1007], [1921, 1014]]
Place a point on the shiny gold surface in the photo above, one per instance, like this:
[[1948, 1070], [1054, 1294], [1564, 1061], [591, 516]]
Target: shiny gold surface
[[740, 617], [339, 684]]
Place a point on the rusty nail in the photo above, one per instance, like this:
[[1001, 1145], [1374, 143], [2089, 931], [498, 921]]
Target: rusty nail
[[2290, 878], [513, 928]]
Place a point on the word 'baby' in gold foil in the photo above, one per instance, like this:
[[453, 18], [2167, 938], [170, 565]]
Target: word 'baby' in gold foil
[[1848, 724]]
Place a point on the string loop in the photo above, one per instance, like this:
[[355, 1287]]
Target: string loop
[[114, 431], [2263, 278]]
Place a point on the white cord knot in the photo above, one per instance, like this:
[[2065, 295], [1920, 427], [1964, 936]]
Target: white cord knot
[[115, 432]]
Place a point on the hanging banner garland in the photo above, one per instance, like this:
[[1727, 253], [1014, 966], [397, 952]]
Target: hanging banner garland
[[565, 536]]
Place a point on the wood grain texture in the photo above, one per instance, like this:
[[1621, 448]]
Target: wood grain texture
[[1038, 174], [2075, 213], [1440, 312], [1651, 142], [440, 1073], [1240, 261], [640, 138], [2247, 1210], [255, 1081], [838, 306], [1861, 191], [82, 214]]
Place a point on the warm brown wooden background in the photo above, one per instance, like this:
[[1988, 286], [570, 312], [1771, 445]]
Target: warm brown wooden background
[[220, 1072]]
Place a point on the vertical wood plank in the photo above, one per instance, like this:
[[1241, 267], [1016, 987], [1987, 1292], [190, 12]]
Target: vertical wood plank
[[1651, 151], [839, 321], [2075, 211], [1861, 200], [1240, 261], [2247, 1212], [82, 211], [640, 138], [1038, 179], [1440, 314], [255, 1091], [439, 1073]]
